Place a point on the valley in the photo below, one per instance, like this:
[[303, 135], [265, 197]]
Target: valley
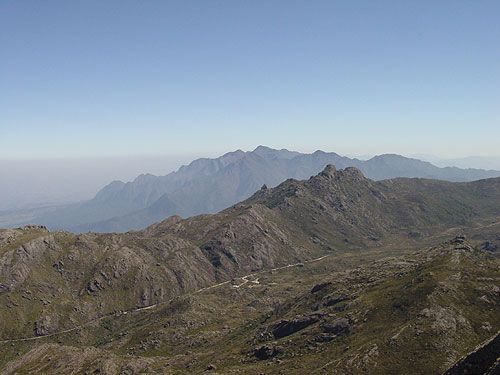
[[336, 274], [249, 188]]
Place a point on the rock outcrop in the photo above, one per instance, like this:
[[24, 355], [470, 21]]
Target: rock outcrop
[[288, 327]]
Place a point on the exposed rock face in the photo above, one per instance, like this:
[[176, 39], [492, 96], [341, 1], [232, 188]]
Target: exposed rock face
[[334, 299], [271, 229], [338, 327], [209, 185], [288, 327], [324, 337], [267, 351], [7, 236], [211, 367], [482, 361], [395, 308], [316, 288], [215, 252], [46, 325], [458, 240], [68, 279], [16, 265], [329, 171], [489, 246], [35, 227]]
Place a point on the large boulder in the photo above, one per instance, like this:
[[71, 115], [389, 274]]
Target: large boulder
[[46, 325], [334, 299], [489, 246], [267, 351], [287, 327], [339, 327], [316, 288]]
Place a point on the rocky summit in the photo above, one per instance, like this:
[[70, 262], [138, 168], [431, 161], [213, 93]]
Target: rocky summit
[[336, 274], [210, 185]]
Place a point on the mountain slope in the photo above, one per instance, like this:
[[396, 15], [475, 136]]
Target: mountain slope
[[296, 221], [56, 285], [209, 185], [350, 313]]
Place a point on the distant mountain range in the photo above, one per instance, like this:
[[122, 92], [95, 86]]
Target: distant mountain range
[[209, 185], [308, 271], [484, 162]]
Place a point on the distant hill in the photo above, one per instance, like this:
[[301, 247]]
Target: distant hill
[[209, 185], [307, 272], [481, 162]]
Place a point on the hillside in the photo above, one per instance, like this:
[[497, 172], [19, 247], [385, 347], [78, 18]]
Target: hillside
[[97, 297], [209, 185], [344, 314]]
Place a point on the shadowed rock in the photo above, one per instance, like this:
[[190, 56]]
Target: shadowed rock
[[288, 327], [338, 327], [268, 351]]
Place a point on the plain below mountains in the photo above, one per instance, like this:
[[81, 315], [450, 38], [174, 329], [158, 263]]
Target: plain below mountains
[[209, 185]]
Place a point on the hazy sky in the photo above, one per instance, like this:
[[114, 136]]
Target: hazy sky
[[27, 183], [104, 78]]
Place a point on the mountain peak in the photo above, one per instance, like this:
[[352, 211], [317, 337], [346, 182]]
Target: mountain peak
[[353, 172], [268, 152], [144, 178], [319, 152], [232, 153], [207, 185], [329, 171], [391, 157], [262, 148]]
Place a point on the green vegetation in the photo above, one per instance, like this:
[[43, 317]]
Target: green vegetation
[[141, 301]]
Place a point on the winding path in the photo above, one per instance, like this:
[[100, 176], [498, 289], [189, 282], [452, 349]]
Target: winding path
[[151, 307]]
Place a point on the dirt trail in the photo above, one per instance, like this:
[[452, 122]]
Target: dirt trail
[[151, 307]]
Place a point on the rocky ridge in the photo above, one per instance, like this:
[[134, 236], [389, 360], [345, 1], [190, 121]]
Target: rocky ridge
[[209, 185], [53, 281]]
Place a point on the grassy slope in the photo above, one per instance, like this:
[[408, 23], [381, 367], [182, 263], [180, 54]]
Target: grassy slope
[[424, 310], [294, 222]]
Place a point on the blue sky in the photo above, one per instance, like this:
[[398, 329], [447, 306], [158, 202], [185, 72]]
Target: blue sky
[[107, 78]]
